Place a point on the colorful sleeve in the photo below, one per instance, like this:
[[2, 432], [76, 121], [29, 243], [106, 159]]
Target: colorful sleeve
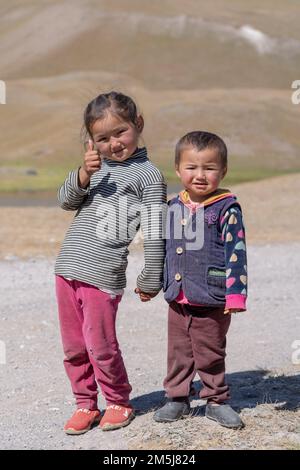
[[233, 234]]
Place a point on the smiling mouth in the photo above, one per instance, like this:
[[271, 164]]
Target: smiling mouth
[[118, 153]]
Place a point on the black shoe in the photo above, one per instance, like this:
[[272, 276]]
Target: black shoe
[[224, 415], [174, 409]]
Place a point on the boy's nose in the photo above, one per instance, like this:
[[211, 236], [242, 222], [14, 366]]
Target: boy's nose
[[200, 175]]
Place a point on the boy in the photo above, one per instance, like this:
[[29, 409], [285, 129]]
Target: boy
[[205, 279]]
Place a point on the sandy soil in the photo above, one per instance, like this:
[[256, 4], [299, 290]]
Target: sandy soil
[[263, 365], [270, 208], [36, 398]]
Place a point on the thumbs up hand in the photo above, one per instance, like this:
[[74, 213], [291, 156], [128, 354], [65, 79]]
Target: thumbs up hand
[[91, 163]]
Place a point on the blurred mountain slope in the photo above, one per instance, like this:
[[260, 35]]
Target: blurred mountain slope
[[224, 66]]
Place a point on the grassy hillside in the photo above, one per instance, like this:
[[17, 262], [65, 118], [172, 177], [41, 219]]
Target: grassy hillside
[[225, 67]]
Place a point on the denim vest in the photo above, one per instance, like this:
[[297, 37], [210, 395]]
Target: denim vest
[[195, 257]]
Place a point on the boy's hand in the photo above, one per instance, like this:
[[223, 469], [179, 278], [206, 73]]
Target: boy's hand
[[91, 164], [144, 296], [229, 311]]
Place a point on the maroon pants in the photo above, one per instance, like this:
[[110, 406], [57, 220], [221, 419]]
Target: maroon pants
[[196, 344]]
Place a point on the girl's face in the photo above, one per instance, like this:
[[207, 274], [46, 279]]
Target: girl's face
[[115, 138], [200, 172]]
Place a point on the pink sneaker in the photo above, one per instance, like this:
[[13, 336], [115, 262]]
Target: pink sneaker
[[116, 416], [82, 421]]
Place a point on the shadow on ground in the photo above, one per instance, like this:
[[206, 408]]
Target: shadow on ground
[[248, 389]]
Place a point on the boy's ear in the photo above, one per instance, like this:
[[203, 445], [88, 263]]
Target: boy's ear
[[140, 123], [177, 171], [224, 172]]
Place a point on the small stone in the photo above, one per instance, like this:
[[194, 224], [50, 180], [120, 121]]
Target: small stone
[[31, 171]]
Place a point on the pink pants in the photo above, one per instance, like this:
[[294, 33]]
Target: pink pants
[[87, 323]]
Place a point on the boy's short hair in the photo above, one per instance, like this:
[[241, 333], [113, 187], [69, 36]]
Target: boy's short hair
[[201, 140]]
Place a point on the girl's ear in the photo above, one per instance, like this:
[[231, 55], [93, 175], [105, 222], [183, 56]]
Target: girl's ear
[[177, 171], [140, 123]]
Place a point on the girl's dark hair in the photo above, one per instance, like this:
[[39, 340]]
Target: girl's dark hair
[[114, 102], [202, 140]]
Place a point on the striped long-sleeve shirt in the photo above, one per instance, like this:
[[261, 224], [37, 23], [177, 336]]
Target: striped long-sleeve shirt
[[120, 198]]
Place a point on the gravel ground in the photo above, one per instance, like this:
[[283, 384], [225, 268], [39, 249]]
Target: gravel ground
[[36, 396]]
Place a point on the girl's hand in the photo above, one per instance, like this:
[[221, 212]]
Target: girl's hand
[[91, 164], [144, 296]]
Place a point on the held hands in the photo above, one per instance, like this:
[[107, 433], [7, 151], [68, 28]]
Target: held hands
[[144, 296], [91, 163]]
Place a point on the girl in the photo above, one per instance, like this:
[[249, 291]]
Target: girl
[[113, 193]]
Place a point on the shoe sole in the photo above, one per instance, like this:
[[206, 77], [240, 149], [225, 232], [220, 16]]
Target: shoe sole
[[165, 420], [73, 432], [111, 427], [241, 426]]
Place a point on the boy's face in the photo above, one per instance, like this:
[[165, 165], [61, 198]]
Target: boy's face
[[200, 172]]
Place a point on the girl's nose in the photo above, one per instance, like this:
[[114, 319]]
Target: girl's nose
[[114, 144]]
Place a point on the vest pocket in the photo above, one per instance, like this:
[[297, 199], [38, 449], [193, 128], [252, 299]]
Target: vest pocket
[[216, 282]]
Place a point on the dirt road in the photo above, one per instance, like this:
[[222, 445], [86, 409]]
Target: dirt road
[[36, 397]]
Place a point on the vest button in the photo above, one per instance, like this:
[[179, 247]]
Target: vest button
[[177, 277], [183, 221], [179, 250]]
